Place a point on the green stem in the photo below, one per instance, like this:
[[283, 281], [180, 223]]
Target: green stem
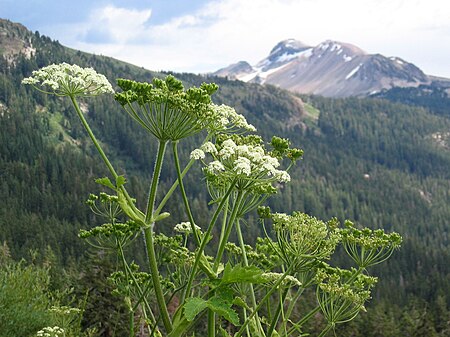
[[325, 331], [277, 313], [155, 182], [263, 300], [100, 150], [228, 230], [211, 323], [290, 309], [94, 140], [175, 184], [205, 241], [149, 239], [142, 298], [183, 192], [173, 188], [252, 290]]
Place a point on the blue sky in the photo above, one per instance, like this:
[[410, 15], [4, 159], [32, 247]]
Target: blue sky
[[204, 35]]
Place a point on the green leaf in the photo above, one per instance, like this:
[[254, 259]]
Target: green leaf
[[105, 182], [223, 308], [240, 302], [193, 306], [239, 274], [120, 181]]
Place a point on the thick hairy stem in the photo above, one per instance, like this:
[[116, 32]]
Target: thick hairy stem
[[149, 239]]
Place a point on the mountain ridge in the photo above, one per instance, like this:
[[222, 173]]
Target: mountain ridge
[[332, 69]]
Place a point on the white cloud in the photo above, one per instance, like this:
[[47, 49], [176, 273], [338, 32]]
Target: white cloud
[[116, 25], [226, 31]]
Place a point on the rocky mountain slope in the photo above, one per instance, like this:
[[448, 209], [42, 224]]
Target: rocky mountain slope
[[332, 69]]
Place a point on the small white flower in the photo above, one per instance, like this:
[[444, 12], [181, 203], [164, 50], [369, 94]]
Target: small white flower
[[242, 150], [228, 149], [209, 147], [242, 165], [229, 144], [271, 161], [282, 176], [197, 154], [185, 227], [215, 166]]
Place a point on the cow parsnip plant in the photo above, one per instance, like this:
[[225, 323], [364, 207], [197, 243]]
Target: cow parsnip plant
[[239, 290]]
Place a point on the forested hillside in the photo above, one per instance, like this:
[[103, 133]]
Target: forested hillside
[[378, 163]]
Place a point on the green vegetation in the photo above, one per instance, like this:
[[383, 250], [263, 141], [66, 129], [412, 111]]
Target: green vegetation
[[367, 160]]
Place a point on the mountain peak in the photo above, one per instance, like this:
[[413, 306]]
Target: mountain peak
[[339, 47], [289, 46], [332, 68]]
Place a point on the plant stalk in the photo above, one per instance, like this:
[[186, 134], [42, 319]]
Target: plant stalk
[[149, 238]]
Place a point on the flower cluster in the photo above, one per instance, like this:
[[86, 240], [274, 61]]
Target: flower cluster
[[368, 247], [165, 109], [288, 281], [241, 158], [111, 235], [304, 240], [104, 205], [69, 80], [342, 293], [227, 120], [64, 310], [185, 227], [48, 331]]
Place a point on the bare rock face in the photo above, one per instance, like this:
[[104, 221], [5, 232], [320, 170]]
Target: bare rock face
[[14, 41], [332, 69]]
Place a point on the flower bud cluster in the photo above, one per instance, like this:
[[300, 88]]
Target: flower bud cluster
[[69, 80], [368, 247], [370, 239], [112, 229], [342, 293], [288, 281], [304, 240], [104, 205], [166, 109]]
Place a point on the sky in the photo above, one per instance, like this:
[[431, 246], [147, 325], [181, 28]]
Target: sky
[[201, 36]]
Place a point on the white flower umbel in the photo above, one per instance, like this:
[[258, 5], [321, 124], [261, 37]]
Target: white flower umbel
[[185, 227], [48, 331], [69, 80], [226, 119], [245, 161], [197, 154], [208, 147], [242, 165]]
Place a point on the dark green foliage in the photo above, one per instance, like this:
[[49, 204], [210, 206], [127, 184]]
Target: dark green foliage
[[24, 299]]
